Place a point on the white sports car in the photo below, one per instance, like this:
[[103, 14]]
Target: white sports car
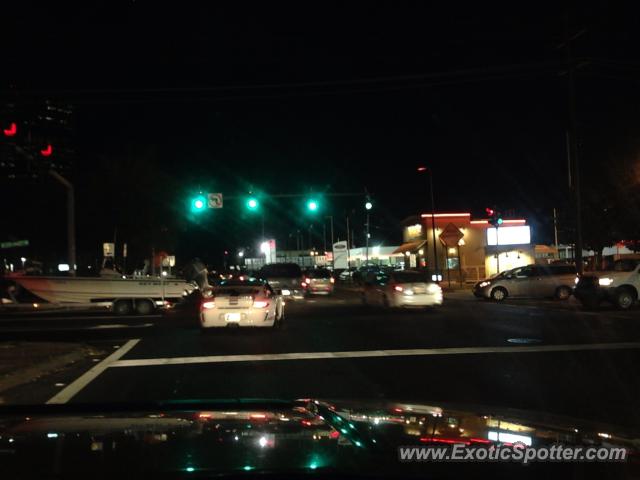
[[242, 303]]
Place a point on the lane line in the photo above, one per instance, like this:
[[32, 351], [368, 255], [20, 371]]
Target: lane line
[[269, 357], [54, 318], [52, 329], [66, 394]]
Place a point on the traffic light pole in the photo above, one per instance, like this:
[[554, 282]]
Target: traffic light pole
[[71, 220], [433, 226]]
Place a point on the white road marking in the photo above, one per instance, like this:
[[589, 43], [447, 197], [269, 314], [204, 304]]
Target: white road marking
[[73, 329], [146, 362], [117, 325], [82, 381]]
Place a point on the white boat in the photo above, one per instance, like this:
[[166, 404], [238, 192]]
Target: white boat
[[99, 289]]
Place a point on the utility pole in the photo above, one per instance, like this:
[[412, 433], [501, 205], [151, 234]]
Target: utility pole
[[555, 232], [572, 145], [71, 220], [348, 245]]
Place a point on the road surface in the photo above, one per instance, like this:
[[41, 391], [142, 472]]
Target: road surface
[[546, 356]]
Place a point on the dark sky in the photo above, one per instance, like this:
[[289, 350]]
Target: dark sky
[[329, 97]]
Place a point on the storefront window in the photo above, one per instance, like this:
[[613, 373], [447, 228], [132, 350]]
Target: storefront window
[[452, 263]]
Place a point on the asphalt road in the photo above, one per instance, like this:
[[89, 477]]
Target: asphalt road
[[545, 356]]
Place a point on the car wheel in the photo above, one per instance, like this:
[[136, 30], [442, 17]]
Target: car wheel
[[144, 307], [122, 307], [498, 294], [563, 292], [625, 298]]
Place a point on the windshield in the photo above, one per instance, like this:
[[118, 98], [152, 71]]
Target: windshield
[[411, 277], [270, 271], [395, 209], [320, 273]]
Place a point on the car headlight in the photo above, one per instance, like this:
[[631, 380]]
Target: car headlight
[[605, 282], [434, 288], [484, 284], [576, 280]]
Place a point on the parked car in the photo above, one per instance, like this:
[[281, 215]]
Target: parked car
[[538, 281], [248, 303], [406, 288], [318, 281], [286, 277], [619, 286]]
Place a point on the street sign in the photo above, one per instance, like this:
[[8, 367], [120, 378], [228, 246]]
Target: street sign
[[17, 243], [340, 255], [451, 235], [214, 200], [108, 249]]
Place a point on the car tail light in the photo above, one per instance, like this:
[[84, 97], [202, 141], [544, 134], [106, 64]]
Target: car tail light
[[208, 305], [332, 280], [307, 280], [398, 288], [260, 304], [304, 284]]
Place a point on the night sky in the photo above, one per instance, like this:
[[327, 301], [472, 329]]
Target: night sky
[[325, 98]]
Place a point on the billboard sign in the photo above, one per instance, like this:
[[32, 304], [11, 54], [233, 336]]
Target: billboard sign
[[520, 235]]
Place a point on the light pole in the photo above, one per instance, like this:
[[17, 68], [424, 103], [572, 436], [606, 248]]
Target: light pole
[[368, 206], [433, 218], [330, 217]]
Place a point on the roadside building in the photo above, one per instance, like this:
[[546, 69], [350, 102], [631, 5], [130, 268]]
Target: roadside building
[[466, 249]]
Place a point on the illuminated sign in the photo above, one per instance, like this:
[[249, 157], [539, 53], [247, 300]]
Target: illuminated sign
[[509, 235], [414, 230]]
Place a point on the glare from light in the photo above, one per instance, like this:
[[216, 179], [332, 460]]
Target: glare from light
[[52, 435], [263, 442], [241, 254], [368, 205], [63, 267], [605, 282], [190, 469]]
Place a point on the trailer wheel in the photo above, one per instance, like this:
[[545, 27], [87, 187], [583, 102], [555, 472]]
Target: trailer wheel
[[144, 307], [122, 307]]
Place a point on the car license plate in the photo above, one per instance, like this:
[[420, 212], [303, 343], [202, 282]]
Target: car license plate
[[233, 317], [419, 291]]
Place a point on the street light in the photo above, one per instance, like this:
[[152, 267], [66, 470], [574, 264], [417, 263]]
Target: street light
[[422, 169]]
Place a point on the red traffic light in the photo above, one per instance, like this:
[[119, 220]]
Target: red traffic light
[[46, 152], [422, 169], [11, 131], [489, 211]]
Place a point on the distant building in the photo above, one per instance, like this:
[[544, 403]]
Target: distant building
[[466, 249]]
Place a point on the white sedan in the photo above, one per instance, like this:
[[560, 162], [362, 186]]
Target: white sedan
[[405, 288], [249, 303]]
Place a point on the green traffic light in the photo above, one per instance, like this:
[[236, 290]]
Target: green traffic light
[[198, 203], [252, 204], [312, 205], [500, 221], [368, 205]]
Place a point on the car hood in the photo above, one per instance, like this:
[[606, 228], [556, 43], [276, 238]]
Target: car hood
[[241, 436]]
